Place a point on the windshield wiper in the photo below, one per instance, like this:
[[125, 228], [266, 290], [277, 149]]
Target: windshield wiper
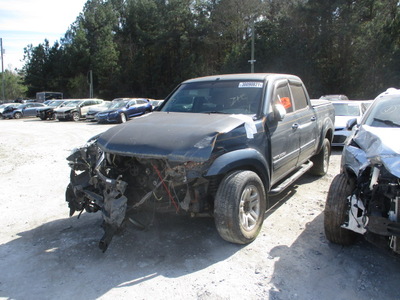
[[213, 112], [387, 122]]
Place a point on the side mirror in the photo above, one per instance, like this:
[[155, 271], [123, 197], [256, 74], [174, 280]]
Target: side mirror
[[279, 112], [351, 123]]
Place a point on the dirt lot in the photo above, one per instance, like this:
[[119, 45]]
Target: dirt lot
[[44, 254]]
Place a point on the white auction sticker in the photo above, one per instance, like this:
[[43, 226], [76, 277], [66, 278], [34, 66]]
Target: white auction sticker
[[257, 85]]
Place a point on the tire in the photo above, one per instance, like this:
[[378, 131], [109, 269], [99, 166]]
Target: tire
[[17, 115], [321, 160], [336, 211], [239, 207], [75, 116], [42, 118], [122, 118]]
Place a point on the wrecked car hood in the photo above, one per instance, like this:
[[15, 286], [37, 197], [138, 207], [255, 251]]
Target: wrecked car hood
[[379, 145], [64, 109], [175, 136]]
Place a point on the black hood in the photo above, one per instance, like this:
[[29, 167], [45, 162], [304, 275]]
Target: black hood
[[174, 136]]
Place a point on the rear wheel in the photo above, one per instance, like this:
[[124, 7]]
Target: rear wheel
[[321, 160], [336, 211], [239, 207], [17, 115]]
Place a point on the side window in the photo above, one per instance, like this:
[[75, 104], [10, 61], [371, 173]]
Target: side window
[[299, 96], [282, 95]]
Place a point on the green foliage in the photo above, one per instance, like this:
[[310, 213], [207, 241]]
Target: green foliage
[[13, 86], [146, 47], [78, 87]]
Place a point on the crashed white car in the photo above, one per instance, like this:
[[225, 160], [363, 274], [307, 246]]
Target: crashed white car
[[364, 199]]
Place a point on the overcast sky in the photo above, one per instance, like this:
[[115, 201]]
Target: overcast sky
[[24, 22]]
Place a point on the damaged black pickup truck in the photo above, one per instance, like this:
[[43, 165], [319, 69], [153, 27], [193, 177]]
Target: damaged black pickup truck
[[217, 146]]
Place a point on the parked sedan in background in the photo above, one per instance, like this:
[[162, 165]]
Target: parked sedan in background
[[346, 110], [4, 105], [121, 111], [8, 107], [76, 109], [47, 111], [93, 111], [334, 97], [22, 110]]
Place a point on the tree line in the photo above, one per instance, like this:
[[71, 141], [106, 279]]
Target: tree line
[[144, 48]]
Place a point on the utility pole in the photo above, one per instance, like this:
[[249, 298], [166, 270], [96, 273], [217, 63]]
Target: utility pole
[[252, 60], [2, 68], [90, 84]]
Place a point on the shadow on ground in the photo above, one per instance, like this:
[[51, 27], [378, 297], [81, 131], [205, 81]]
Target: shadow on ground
[[59, 259]]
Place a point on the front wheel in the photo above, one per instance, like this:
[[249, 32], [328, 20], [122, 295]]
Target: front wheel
[[75, 116], [122, 118], [239, 207], [17, 115], [321, 160], [336, 211]]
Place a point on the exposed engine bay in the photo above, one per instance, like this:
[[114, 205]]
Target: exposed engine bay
[[119, 185], [374, 207]]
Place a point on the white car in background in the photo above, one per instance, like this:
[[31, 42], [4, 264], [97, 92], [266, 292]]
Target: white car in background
[[76, 109], [346, 110]]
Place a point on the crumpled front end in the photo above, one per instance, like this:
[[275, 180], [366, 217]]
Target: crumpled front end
[[374, 205], [123, 187]]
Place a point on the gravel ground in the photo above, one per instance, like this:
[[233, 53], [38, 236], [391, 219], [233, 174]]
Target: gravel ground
[[44, 254]]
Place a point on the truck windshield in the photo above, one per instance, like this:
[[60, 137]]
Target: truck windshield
[[226, 97]]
